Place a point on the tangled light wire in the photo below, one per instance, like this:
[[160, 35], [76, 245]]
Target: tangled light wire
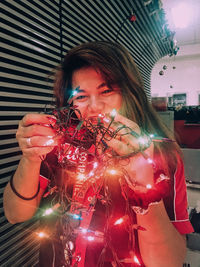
[[82, 146]]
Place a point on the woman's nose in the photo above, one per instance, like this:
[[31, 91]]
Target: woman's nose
[[96, 105]]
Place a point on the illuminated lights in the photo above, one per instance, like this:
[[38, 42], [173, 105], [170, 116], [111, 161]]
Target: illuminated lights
[[152, 135], [49, 142], [148, 186], [119, 221], [135, 259], [48, 211], [113, 113], [41, 235], [100, 115], [51, 210], [70, 245], [112, 171], [95, 165], [90, 238], [77, 217], [81, 176], [75, 92], [106, 120], [84, 230], [91, 174], [150, 161], [142, 140]]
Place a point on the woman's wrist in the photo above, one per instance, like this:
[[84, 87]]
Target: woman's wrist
[[141, 197], [31, 160]]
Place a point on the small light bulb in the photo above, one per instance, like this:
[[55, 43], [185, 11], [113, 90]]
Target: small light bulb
[[74, 92], [119, 221], [90, 238], [100, 115], [91, 174], [148, 186], [84, 231], [81, 176], [41, 234], [113, 113], [76, 217], [135, 259], [71, 245], [149, 160], [48, 211], [142, 140], [95, 165], [113, 172], [106, 120]]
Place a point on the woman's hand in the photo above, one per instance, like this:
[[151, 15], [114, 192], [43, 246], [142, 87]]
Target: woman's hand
[[138, 168], [36, 136]]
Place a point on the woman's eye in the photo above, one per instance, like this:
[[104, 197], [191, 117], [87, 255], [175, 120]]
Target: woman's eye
[[107, 91], [80, 97]]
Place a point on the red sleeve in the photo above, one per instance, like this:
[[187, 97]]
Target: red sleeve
[[180, 205], [43, 182]]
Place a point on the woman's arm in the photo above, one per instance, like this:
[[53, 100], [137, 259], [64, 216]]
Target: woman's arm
[[25, 181], [36, 138], [161, 244]]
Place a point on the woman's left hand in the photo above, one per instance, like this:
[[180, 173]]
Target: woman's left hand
[[138, 168]]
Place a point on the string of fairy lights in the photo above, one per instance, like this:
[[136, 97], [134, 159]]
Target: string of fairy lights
[[89, 163]]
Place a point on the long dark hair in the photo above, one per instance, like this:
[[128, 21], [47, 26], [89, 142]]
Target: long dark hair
[[117, 67]]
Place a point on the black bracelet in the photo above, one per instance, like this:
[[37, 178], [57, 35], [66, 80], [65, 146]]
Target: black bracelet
[[20, 196]]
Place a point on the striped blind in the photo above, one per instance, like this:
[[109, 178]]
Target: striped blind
[[35, 36]]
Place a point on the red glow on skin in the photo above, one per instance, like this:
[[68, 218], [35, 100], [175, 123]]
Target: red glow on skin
[[119, 221]]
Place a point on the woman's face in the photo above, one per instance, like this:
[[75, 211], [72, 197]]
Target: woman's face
[[94, 96]]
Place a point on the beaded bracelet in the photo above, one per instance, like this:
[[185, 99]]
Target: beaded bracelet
[[20, 196]]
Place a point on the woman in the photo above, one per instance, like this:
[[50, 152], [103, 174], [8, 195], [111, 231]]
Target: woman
[[146, 222]]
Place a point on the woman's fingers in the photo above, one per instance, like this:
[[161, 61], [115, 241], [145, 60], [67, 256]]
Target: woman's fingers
[[36, 129], [128, 123], [37, 151], [30, 119], [120, 147], [39, 141], [35, 135]]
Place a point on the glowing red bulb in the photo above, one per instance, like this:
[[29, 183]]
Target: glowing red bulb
[[119, 221]]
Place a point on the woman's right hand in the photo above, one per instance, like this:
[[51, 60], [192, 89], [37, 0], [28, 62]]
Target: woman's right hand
[[35, 135]]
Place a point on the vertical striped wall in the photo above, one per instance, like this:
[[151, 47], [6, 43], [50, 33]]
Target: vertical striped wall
[[35, 36]]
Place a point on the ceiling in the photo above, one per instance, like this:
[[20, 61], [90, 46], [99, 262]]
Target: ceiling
[[191, 34]]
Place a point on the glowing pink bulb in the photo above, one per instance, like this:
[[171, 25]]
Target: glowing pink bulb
[[90, 238], [149, 160], [84, 231]]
